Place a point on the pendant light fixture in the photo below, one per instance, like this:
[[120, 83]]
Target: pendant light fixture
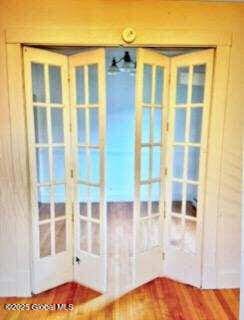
[[128, 65]]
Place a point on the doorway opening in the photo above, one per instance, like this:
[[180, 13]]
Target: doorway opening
[[117, 164]]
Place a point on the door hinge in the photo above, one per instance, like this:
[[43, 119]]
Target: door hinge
[[166, 171], [167, 126], [163, 255], [70, 127], [72, 212], [164, 209], [72, 173], [169, 78]]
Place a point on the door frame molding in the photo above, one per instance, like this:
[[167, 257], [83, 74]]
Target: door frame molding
[[152, 37]]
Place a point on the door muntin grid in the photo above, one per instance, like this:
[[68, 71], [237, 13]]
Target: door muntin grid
[[50, 157], [188, 106], [88, 157], [151, 153]]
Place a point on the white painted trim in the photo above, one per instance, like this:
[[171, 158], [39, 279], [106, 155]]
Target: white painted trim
[[228, 279], [213, 172]]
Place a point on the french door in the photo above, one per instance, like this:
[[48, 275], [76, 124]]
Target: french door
[[151, 102], [190, 95], [65, 100], [46, 84], [87, 89], [172, 109], [66, 117]]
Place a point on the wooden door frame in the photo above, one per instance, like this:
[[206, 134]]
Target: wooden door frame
[[156, 37]]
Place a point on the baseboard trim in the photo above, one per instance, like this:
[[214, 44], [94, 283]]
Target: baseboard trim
[[7, 288], [228, 280]]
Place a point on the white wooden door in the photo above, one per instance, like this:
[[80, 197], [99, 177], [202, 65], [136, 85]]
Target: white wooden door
[[190, 95], [46, 88], [151, 102], [87, 89]]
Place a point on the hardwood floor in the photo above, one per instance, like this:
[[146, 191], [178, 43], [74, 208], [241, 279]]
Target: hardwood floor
[[161, 299]]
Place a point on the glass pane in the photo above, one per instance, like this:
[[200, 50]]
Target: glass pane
[[182, 85], [82, 164], [155, 232], [59, 200], [81, 125], [83, 235], [144, 198], [145, 125], [155, 197], [180, 125], [38, 82], [95, 232], [42, 164], [94, 127], [175, 231], [191, 200], [44, 203], [144, 235], [176, 197], [178, 161], [60, 236], [83, 198], [80, 85], [45, 240], [159, 85], [190, 236], [145, 163], [40, 119], [93, 83], [55, 84], [155, 162], [193, 163], [157, 125], [198, 82], [95, 202], [95, 165], [196, 125], [147, 83], [58, 164], [57, 125]]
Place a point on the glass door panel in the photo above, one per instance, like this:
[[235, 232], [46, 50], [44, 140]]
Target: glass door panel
[[87, 89], [152, 68], [46, 98], [189, 105]]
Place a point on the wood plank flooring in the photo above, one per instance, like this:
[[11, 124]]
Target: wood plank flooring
[[160, 299]]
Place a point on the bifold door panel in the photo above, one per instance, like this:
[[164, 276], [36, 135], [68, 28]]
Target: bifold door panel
[[66, 113], [66, 120], [190, 89], [151, 102], [46, 76], [87, 89]]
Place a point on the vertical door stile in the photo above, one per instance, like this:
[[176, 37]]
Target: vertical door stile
[[68, 113]]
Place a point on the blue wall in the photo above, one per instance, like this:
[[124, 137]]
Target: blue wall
[[120, 143]]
